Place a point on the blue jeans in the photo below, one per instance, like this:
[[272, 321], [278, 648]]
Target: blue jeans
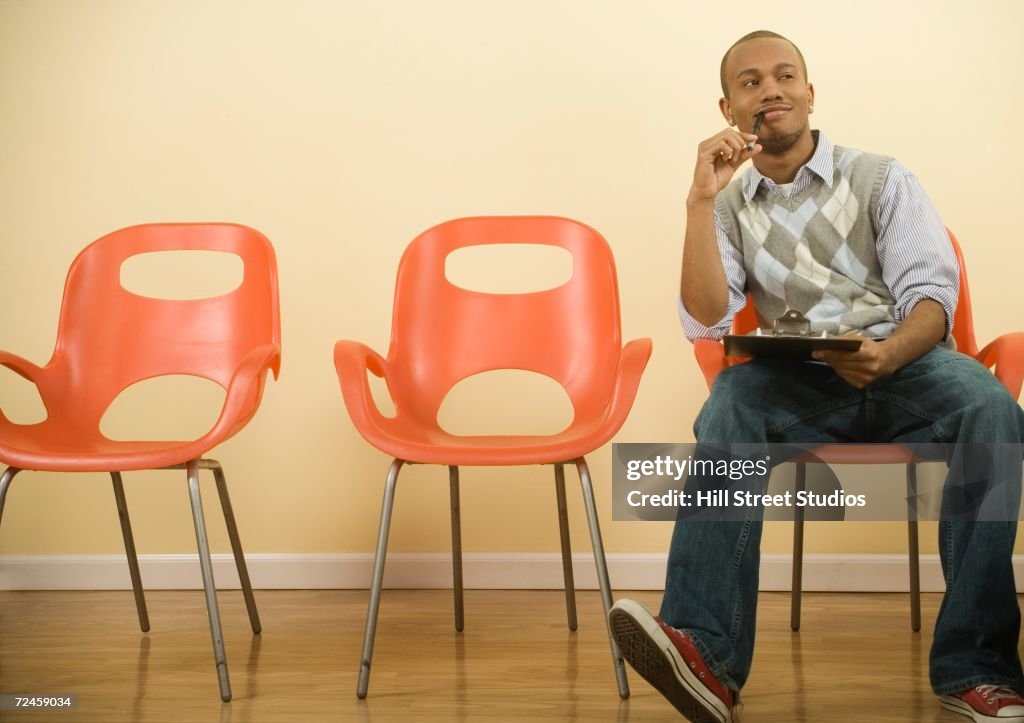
[[945, 396]]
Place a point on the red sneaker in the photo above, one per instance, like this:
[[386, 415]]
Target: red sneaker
[[668, 660], [987, 704]]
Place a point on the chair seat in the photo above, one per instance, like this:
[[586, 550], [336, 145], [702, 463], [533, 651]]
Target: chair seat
[[412, 439], [432, 445], [859, 454], [46, 447]]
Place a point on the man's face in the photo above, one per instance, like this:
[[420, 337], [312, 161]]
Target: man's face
[[766, 75]]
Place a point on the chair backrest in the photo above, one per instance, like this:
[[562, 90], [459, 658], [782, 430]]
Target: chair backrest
[[963, 321], [109, 338], [442, 333]]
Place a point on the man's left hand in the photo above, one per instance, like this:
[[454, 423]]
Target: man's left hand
[[859, 368]]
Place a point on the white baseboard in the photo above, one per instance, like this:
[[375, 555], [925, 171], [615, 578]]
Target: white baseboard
[[540, 571]]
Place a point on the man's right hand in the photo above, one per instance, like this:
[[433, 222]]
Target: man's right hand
[[702, 285], [717, 160]]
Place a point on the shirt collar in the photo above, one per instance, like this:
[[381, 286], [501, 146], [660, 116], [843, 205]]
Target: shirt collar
[[820, 164]]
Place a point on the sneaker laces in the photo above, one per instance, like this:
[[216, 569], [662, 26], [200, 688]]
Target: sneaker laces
[[992, 693]]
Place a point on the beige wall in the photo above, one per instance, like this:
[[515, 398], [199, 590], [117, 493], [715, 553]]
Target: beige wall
[[342, 129]]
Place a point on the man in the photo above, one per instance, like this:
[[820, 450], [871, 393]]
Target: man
[[850, 240]]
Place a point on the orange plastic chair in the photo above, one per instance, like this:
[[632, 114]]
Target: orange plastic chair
[[442, 334], [1006, 354], [109, 338]]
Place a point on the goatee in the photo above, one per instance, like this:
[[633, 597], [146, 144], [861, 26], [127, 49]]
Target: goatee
[[778, 144]]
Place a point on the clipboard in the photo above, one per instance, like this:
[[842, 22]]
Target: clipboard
[[790, 339]]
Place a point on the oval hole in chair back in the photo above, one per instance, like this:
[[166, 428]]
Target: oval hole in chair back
[[508, 268], [182, 275]]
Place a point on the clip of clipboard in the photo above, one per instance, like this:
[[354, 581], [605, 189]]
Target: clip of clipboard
[[791, 338]]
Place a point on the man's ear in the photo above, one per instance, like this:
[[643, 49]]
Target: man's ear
[[810, 97], [726, 107]]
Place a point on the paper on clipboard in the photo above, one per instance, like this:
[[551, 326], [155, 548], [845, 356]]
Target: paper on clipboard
[[790, 339]]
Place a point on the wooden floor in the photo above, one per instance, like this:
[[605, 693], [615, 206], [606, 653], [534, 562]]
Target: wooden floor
[[854, 660]]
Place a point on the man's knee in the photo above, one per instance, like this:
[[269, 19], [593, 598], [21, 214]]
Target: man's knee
[[989, 413], [735, 404]]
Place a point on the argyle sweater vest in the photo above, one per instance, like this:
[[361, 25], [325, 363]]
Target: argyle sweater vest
[[815, 252]]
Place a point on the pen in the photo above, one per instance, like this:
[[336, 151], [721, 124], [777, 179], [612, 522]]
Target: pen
[[758, 119]]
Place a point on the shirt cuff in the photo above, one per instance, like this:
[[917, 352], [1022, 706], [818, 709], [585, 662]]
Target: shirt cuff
[[695, 330], [939, 294]]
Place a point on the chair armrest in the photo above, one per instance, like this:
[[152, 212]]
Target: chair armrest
[[710, 355], [22, 367], [632, 362], [245, 390], [353, 360], [1006, 353]]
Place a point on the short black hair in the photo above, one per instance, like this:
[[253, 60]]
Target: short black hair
[[753, 36]]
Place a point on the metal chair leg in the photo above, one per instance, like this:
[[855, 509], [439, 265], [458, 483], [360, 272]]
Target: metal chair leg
[[798, 550], [378, 579], [129, 549], [453, 483], [208, 584], [912, 551], [236, 543], [563, 529], [5, 484], [602, 572]]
